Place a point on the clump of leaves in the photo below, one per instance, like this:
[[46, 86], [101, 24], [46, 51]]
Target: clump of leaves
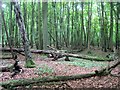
[[44, 70]]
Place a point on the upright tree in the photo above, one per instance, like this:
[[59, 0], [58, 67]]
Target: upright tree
[[32, 25], [82, 25], [117, 25], [111, 27], [45, 24], [89, 24]]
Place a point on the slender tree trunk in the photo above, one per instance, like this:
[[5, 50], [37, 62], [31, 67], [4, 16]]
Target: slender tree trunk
[[111, 27], [76, 26], [19, 19], [32, 26], [89, 24], [2, 33], [82, 25], [72, 25], [68, 25], [55, 25], [11, 25], [25, 13], [105, 32], [40, 37], [61, 21], [45, 25], [102, 26], [117, 25]]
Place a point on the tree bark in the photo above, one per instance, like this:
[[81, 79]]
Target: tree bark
[[19, 19], [45, 25], [111, 27], [25, 82]]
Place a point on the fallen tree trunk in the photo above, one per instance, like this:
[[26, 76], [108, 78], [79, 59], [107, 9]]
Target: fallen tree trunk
[[25, 82], [22, 50], [59, 54]]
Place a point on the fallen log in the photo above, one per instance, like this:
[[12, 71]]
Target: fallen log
[[59, 54], [17, 50], [108, 69], [25, 82]]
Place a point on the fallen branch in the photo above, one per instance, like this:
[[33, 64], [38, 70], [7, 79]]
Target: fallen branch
[[59, 54], [25, 82]]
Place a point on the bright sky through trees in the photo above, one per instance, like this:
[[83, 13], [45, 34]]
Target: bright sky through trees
[[3, 5]]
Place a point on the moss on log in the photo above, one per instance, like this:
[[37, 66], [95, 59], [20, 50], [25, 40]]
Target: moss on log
[[25, 82]]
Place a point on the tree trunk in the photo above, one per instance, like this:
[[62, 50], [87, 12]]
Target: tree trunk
[[117, 25], [32, 26], [11, 35], [40, 35], [89, 24], [82, 25], [68, 25], [25, 82], [111, 27], [45, 25], [19, 19]]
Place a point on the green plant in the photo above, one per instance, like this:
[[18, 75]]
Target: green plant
[[44, 70]]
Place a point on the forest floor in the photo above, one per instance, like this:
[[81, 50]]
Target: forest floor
[[46, 67]]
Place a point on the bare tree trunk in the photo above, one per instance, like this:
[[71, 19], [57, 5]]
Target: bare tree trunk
[[19, 19], [117, 25], [82, 25], [45, 25], [89, 24], [32, 26], [111, 27]]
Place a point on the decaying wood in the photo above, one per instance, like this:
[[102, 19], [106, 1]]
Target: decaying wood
[[25, 82], [59, 54], [107, 70]]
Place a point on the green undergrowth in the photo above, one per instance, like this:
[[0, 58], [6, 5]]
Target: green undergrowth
[[44, 69], [30, 64], [84, 63]]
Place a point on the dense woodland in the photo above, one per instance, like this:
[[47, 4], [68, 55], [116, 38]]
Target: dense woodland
[[58, 42], [73, 25]]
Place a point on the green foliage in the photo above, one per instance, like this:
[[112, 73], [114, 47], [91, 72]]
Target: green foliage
[[30, 64], [84, 63], [58, 21], [44, 70]]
